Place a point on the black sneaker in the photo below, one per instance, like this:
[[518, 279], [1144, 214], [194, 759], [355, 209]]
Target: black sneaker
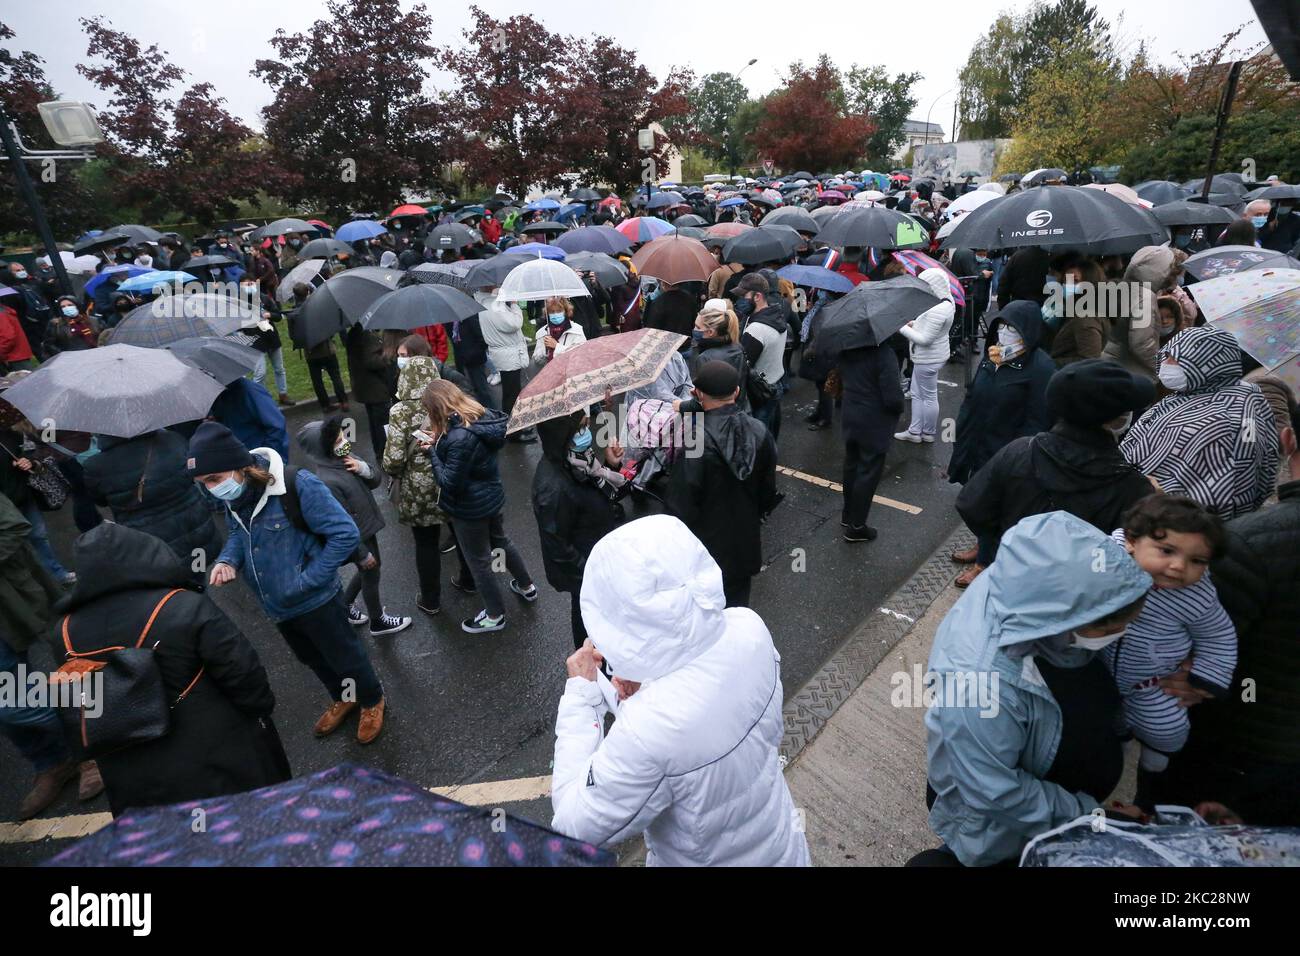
[[356, 616], [459, 585], [482, 624], [429, 609], [856, 535], [389, 624], [529, 595]]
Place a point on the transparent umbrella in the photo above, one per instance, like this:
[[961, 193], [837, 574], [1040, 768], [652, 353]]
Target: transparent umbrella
[[539, 279]]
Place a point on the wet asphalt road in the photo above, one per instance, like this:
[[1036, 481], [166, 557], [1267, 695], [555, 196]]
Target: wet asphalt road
[[466, 708]]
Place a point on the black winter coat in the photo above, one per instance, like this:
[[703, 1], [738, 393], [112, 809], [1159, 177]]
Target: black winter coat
[[873, 396], [1070, 468], [353, 492], [465, 463], [719, 350], [166, 504], [222, 740], [468, 345], [572, 516], [724, 494], [673, 310], [1259, 586], [370, 372]]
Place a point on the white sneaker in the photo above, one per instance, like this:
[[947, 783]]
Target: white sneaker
[[928, 439], [908, 436]]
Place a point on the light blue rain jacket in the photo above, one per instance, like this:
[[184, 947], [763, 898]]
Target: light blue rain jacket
[[1054, 573]]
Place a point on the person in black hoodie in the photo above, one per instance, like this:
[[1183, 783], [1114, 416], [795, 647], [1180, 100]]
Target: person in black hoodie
[[1024, 277], [724, 494], [142, 481], [221, 739], [351, 480], [673, 310], [1076, 466], [373, 377], [763, 342], [470, 350], [872, 402], [574, 503]]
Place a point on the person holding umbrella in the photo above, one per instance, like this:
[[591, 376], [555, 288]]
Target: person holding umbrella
[[561, 333], [928, 338], [371, 375], [763, 342], [502, 325], [289, 537], [321, 358], [71, 330], [463, 439], [266, 338]]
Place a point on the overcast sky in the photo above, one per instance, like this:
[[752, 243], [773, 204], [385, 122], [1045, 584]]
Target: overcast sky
[[219, 42]]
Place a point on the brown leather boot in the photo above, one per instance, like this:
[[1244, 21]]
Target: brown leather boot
[[372, 722], [91, 784], [968, 556], [286, 401], [968, 575], [46, 789], [335, 715]]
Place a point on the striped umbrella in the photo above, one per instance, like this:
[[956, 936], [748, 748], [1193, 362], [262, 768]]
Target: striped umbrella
[[916, 262], [644, 228]]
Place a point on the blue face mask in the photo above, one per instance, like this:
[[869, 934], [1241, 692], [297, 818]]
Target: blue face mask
[[1258, 221], [697, 335], [555, 318], [227, 490], [582, 440], [1183, 240]]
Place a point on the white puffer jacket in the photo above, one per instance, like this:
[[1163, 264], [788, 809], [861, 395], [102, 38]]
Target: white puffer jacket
[[929, 335], [692, 757], [502, 324]]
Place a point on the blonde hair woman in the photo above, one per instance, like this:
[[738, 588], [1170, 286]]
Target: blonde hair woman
[[464, 439], [716, 338], [561, 333]]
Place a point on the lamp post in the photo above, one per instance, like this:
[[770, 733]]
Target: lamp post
[[731, 155], [931, 110]]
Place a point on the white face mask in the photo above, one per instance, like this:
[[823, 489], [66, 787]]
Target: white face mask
[[403, 361], [1094, 643], [1173, 376]]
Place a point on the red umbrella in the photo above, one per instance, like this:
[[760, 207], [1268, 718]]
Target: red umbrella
[[320, 222], [831, 196], [727, 230], [408, 210], [675, 259], [845, 188], [581, 376]]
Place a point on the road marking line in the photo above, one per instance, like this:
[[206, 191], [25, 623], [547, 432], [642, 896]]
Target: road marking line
[[949, 384], [490, 793], [898, 614], [839, 489]]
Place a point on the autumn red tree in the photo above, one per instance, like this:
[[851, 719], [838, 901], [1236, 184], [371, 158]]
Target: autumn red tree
[[806, 124]]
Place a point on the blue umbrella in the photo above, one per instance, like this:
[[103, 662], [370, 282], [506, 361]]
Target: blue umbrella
[[733, 201], [151, 280], [593, 239], [130, 271], [91, 234], [573, 209], [536, 250], [662, 200], [547, 203], [359, 229], [815, 277]]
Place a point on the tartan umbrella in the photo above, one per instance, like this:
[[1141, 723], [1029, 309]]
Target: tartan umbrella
[[171, 318], [916, 262], [581, 376]]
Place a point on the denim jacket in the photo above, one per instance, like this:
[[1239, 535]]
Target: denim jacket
[[291, 571]]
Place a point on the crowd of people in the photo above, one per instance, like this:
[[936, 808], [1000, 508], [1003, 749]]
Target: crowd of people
[[1135, 540]]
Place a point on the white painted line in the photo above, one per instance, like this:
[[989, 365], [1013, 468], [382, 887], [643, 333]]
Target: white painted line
[[949, 384], [496, 792], [836, 487], [898, 614]]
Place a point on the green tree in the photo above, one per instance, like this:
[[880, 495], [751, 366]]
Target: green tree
[[715, 103], [887, 103]]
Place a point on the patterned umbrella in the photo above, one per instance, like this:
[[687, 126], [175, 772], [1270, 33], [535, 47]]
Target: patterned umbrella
[[1225, 260], [643, 228], [581, 376], [344, 816], [441, 273], [171, 318], [916, 262]]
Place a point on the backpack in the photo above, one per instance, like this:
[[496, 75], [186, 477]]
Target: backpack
[[289, 500]]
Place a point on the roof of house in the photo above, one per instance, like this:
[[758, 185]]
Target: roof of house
[[917, 126]]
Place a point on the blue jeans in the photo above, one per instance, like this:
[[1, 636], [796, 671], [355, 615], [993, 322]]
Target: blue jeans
[[277, 366], [35, 731], [40, 540]]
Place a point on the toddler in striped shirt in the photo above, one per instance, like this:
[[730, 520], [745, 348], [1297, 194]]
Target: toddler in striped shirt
[[1173, 539]]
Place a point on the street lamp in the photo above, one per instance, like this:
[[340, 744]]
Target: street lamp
[[731, 154]]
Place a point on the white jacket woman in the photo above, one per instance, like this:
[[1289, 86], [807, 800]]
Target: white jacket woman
[[502, 324], [928, 333], [692, 759], [570, 338]]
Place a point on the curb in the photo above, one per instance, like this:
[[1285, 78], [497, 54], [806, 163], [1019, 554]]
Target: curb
[[809, 710]]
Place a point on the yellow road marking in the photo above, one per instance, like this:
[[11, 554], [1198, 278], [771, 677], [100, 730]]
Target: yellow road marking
[[837, 487]]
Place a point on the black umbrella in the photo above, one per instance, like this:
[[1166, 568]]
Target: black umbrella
[[324, 249], [416, 306], [1226, 260], [439, 273], [799, 175], [871, 313], [1161, 191], [585, 195], [1185, 213], [755, 246], [1085, 220], [216, 262], [609, 272], [1279, 191], [137, 233], [547, 226], [1219, 183], [794, 217], [102, 241], [222, 358], [281, 227], [693, 232], [690, 219], [786, 233], [451, 235], [875, 226], [490, 273], [342, 300]]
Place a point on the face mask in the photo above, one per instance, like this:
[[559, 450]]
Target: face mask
[[20, 274], [555, 318], [1183, 240], [69, 311], [223, 245], [1118, 430], [1094, 643], [1283, 211], [697, 335], [582, 440], [1010, 344], [403, 361], [296, 243], [744, 308], [228, 490], [1173, 376], [1258, 221]]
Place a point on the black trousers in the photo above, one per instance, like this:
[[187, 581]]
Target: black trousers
[[317, 368], [736, 590], [512, 383], [428, 562], [366, 583], [575, 617], [863, 468], [377, 418], [325, 641]]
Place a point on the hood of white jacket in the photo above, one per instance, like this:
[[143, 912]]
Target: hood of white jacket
[[937, 279], [652, 598]]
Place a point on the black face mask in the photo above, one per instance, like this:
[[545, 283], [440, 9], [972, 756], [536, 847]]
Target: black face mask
[[745, 308]]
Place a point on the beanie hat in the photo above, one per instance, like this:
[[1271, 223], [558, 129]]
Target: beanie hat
[[215, 448], [717, 379], [1096, 391]]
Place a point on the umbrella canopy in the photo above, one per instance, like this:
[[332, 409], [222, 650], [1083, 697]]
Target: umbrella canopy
[[281, 227], [545, 226], [1219, 183], [223, 359], [416, 306], [1120, 191], [1225, 260], [490, 273], [815, 277], [663, 200], [546, 203], [539, 279], [1274, 193], [609, 272], [117, 390], [571, 211], [832, 197], [102, 241], [732, 201], [359, 229], [593, 239], [1085, 220], [675, 259], [342, 300], [441, 273], [136, 233], [794, 217], [536, 250], [873, 226], [148, 281], [307, 272], [408, 209], [1158, 192], [451, 235], [1040, 176], [756, 246], [968, 201], [690, 219], [871, 313], [643, 228], [1182, 212], [129, 271], [171, 318], [1227, 294], [916, 262], [728, 230], [575, 379], [1260, 307], [325, 249], [585, 195], [344, 816]]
